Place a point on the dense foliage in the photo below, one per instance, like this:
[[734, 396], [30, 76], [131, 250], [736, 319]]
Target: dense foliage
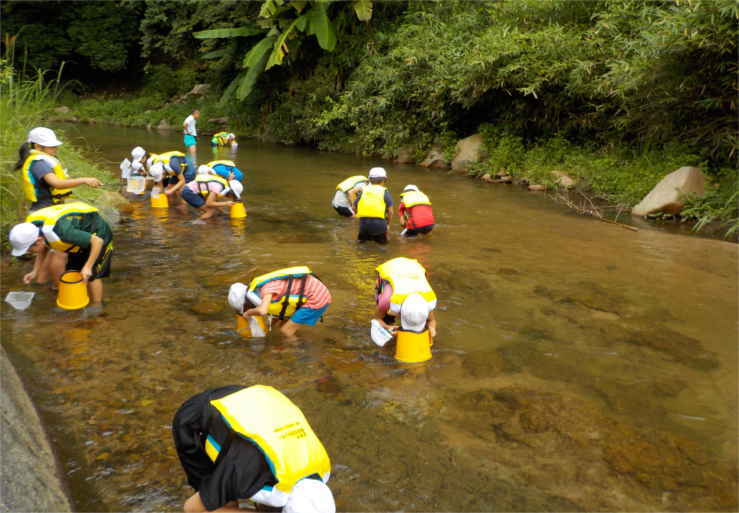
[[630, 83]]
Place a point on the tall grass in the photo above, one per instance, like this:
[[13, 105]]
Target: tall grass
[[24, 104]]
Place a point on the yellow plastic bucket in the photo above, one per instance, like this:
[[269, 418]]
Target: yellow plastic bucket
[[243, 328], [72, 292], [159, 201], [238, 210], [413, 347]]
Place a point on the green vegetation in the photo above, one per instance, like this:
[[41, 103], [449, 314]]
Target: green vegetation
[[25, 104], [615, 93]]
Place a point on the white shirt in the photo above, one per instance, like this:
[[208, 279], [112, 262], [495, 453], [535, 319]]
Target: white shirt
[[190, 126], [341, 198]]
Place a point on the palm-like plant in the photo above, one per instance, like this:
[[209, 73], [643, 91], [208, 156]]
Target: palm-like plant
[[280, 23]]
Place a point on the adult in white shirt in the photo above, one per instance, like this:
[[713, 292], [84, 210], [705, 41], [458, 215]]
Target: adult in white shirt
[[190, 133]]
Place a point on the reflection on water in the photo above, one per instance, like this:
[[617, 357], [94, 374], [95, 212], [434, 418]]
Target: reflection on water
[[578, 366]]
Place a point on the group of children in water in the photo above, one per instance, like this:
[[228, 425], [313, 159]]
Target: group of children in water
[[71, 235]]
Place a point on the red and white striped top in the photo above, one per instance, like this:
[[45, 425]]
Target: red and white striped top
[[316, 293]]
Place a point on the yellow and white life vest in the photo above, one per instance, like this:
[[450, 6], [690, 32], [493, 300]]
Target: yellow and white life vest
[[51, 215], [276, 425], [351, 183], [413, 198], [204, 180], [213, 163], [293, 299], [407, 277], [372, 202], [221, 138], [164, 158], [29, 181]]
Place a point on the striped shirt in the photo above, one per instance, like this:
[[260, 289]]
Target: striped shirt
[[316, 293]]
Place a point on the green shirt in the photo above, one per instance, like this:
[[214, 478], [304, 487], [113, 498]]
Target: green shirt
[[78, 229]]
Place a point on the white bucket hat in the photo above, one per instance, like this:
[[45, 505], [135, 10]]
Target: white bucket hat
[[138, 153], [22, 236], [377, 172], [157, 171], [205, 170], [414, 312], [237, 188], [410, 187], [44, 137], [310, 496], [236, 296]]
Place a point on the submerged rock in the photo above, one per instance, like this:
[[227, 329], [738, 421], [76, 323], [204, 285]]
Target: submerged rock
[[668, 195]]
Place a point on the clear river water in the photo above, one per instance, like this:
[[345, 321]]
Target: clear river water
[[578, 366]]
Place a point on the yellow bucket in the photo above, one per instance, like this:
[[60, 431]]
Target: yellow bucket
[[72, 292], [238, 210], [243, 328], [159, 201], [413, 347]]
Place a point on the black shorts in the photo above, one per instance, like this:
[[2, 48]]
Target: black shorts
[[412, 232], [372, 228], [344, 211], [101, 267]]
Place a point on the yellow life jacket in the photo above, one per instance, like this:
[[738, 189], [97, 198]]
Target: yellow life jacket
[[407, 277], [29, 181], [204, 180], [267, 418], [214, 163], [220, 138], [290, 302], [51, 215], [351, 183], [413, 198], [164, 158], [372, 202]]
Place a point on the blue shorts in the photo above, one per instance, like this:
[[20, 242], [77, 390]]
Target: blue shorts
[[308, 316], [190, 140], [193, 198]]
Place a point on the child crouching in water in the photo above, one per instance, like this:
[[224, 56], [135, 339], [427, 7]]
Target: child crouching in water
[[207, 192]]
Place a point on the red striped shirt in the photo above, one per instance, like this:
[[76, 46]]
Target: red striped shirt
[[316, 292]]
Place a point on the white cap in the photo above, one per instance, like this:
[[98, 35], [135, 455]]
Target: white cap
[[237, 296], [237, 188], [310, 496], [157, 171], [138, 153], [44, 137], [205, 170], [414, 312], [410, 187], [377, 172], [22, 236]]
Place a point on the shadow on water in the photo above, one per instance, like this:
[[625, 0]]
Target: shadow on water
[[578, 367]]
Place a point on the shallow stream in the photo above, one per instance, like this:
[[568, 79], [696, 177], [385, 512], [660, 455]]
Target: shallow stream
[[579, 366]]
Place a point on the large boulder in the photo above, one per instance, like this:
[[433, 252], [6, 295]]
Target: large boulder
[[29, 477], [435, 159], [563, 180], [469, 151], [405, 155], [668, 195]]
